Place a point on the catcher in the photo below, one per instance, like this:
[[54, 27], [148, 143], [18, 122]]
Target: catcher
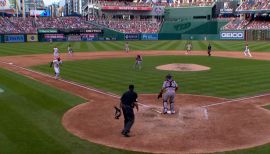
[[169, 88]]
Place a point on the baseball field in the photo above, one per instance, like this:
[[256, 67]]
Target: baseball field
[[74, 115]]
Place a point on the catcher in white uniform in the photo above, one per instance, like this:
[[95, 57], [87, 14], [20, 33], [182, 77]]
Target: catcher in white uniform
[[56, 65], [247, 52], [169, 87]]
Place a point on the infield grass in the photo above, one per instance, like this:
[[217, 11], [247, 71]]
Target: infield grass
[[45, 47], [227, 77], [30, 119]]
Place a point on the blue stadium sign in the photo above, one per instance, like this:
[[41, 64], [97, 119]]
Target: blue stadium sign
[[131, 36], [146, 36], [232, 35], [14, 38]]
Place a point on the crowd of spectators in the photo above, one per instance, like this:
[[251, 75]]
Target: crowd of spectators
[[131, 26], [254, 5], [31, 24], [259, 25], [255, 24], [236, 24], [176, 3]]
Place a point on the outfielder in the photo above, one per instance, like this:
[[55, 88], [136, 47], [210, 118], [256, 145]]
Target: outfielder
[[56, 65], [138, 62], [126, 47], [189, 46], [169, 87], [70, 51], [246, 51]]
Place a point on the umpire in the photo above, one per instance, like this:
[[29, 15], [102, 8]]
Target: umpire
[[209, 49], [128, 102]]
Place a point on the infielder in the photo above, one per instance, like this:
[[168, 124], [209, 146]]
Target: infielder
[[247, 52], [138, 62], [189, 46], [70, 51], [56, 53], [169, 87], [56, 65], [126, 47]]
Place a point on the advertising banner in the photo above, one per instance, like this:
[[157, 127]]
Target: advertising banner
[[14, 38], [47, 31], [232, 35], [74, 38], [32, 38], [134, 8], [49, 36], [40, 13], [131, 36], [149, 36]]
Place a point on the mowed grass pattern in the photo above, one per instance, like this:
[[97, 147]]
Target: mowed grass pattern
[[30, 119], [227, 77], [45, 47]]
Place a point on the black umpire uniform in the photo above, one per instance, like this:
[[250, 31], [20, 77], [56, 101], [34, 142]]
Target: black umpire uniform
[[209, 50], [128, 102]]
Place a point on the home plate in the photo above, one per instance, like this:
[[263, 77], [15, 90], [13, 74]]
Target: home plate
[[10, 63]]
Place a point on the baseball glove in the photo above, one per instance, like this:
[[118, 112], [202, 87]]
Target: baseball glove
[[159, 95], [117, 113], [51, 63]]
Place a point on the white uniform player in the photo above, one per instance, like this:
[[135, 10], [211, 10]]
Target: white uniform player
[[170, 87], [56, 66], [55, 53], [126, 47], [70, 50], [247, 52], [189, 46]]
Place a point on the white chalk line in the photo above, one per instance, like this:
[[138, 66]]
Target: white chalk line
[[235, 100], [144, 105], [76, 84]]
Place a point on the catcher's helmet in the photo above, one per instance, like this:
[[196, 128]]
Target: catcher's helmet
[[169, 76]]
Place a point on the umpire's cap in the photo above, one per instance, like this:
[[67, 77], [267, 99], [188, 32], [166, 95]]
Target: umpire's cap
[[131, 87]]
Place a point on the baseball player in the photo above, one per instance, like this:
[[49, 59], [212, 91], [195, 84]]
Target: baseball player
[[169, 88], [56, 65], [126, 47], [70, 51], [209, 49], [56, 53], [189, 46], [246, 51], [138, 62]]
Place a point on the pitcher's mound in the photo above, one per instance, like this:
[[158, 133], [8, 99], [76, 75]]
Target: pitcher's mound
[[182, 67]]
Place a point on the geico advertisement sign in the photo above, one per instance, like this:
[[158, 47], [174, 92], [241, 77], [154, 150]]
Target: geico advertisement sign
[[232, 35]]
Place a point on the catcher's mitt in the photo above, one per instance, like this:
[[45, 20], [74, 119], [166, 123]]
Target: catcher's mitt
[[117, 113], [159, 95], [51, 63]]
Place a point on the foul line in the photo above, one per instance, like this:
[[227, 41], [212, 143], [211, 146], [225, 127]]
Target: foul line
[[235, 100], [76, 84]]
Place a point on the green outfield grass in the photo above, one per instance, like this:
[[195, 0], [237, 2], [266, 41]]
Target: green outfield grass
[[227, 78], [44, 47], [267, 107], [30, 119]]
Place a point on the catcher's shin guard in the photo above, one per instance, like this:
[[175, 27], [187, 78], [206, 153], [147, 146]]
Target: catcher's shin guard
[[165, 107], [172, 108]]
